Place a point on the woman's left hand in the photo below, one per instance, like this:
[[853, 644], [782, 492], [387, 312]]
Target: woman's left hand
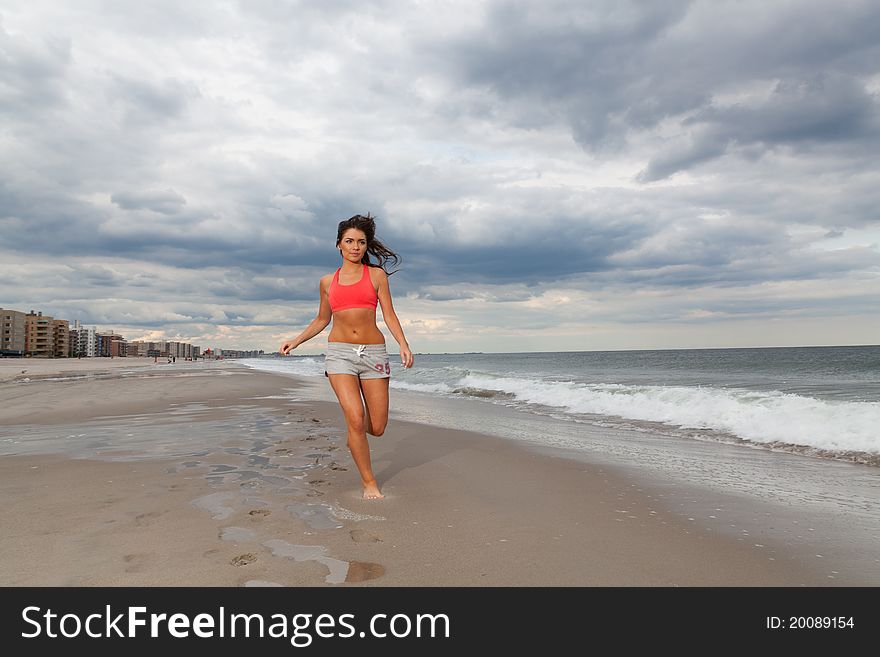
[[406, 356]]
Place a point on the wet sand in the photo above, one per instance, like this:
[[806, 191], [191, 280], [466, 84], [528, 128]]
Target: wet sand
[[211, 474], [36, 368]]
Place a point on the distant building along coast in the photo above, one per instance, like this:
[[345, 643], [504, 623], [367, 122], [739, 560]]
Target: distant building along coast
[[37, 335]]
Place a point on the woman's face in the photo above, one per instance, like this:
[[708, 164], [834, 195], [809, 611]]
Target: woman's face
[[353, 244]]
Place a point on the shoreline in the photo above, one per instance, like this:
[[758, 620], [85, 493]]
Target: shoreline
[[221, 476]]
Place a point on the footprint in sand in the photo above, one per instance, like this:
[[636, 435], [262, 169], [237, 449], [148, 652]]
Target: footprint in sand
[[361, 571], [336, 466], [314, 419], [282, 450], [259, 514], [318, 482], [146, 518], [136, 562], [243, 559], [363, 536], [314, 493]]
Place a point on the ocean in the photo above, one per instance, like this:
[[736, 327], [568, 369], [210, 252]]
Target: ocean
[[818, 401]]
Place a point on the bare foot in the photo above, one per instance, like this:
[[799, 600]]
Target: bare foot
[[371, 492]]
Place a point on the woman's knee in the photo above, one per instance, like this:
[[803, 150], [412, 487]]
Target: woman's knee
[[356, 422], [379, 425]]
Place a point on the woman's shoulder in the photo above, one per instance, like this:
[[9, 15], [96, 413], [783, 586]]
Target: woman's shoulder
[[376, 272]]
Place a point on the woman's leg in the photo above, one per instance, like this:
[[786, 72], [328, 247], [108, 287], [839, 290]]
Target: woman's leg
[[348, 392], [375, 392]]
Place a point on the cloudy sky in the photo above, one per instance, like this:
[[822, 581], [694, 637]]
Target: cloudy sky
[[556, 175]]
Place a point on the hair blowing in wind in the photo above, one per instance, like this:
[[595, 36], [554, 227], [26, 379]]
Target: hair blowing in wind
[[375, 248]]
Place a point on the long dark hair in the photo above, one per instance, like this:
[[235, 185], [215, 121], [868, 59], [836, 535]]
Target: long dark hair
[[375, 247]]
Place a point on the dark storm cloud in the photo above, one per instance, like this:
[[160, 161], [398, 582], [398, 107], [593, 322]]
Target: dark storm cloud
[[822, 109], [583, 58], [521, 259], [40, 219], [612, 69], [243, 285]]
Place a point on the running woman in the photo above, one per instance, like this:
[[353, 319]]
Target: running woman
[[356, 362]]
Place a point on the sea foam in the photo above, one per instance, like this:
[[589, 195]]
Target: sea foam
[[757, 416]]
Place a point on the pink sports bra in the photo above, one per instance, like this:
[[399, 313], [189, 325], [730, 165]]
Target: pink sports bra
[[358, 295]]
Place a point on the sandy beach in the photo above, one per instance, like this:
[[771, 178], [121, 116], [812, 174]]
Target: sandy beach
[[31, 369], [212, 474]]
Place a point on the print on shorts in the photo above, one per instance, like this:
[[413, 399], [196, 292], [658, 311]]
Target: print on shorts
[[386, 367]]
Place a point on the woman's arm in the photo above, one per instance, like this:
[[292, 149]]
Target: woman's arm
[[390, 317], [318, 324]]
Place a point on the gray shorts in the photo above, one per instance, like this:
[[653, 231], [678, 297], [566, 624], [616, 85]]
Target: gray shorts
[[366, 361]]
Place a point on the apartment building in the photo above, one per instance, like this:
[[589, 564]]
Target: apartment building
[[87, 339], [39, 335], [61, 338], [239, 353], [111, 344], [12, 332]]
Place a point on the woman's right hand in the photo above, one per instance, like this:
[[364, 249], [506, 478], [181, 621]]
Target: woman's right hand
[[287, 347]]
